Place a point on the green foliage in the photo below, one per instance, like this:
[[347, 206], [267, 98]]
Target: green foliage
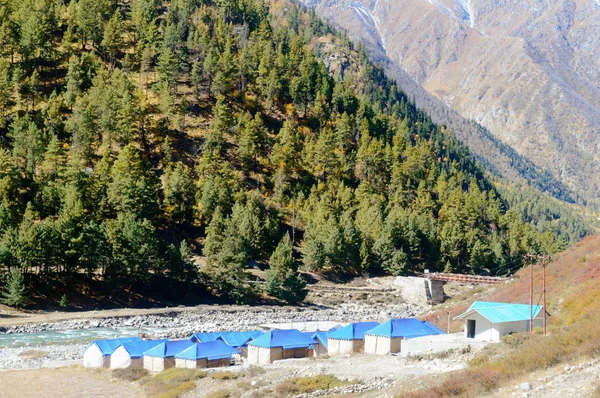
[[262, 137], [64, 301], [283, 281], [304, 385], [15, 292]]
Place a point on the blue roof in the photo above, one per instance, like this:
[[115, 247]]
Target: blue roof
[[287, 339], [136, 349], [168, 348], [321, 337], [209, 350], [353, 331], [108, 346], [203, 337], [238, 339], [501, 312], [406, 328]]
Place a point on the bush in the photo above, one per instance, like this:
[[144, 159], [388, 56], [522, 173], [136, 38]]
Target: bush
[[132, 374], [303, 385], [224, 375], [171, 383], [64, 302], [219, 394]]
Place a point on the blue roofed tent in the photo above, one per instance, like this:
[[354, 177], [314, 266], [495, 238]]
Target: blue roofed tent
[[280, 344], [162, 356], [349, 339], [97, 353], [386, 338], [211, 354], [131, 354], [204, 337], [490, 321], [239, 340]]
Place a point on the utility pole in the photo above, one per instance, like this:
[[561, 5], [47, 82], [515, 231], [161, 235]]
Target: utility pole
[[531, 298], [544, 260], [544, 290]]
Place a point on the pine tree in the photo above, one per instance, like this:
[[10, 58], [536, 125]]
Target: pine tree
[[15, 292], [134, 186]]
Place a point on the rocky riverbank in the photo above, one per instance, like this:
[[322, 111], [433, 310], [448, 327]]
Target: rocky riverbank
[[183, 323], [180, 324]]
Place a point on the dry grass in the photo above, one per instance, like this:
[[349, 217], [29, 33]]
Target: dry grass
[[219, 394], [33, 354], [574, 302], [224, 375], [130, 374], [171, 383], [303, 385]]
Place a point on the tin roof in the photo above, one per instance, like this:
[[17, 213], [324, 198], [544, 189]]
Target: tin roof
[[501, 312]]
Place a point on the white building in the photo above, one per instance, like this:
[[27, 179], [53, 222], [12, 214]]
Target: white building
[[489, 321]]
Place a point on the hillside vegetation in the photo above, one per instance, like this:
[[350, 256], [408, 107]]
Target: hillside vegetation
[[573, 302], [136, 133]]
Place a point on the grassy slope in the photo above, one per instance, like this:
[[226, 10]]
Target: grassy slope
[[573, 298]]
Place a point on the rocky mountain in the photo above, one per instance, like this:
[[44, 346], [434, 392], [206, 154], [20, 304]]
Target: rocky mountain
[[527, 70]]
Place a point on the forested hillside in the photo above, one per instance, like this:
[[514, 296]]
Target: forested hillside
[[136, 133]]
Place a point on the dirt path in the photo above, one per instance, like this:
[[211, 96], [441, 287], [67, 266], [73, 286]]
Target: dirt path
[[63, 382]]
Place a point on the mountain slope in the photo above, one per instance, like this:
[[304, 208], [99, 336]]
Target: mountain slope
[[527, 71]]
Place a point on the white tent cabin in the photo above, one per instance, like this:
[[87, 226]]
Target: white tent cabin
[[212, 354], [162, 356], [489, 321], [387, 337], [97, 354], [350, 339], [131, 355], [280, 344]]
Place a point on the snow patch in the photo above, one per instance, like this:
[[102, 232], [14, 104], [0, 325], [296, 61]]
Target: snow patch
[[467, 10]]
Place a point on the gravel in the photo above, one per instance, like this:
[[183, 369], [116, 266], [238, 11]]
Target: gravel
[[182, 324]]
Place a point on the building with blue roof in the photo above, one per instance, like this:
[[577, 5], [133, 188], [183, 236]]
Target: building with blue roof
[[386, 338], [489, 321], [204, 337], [211, 354], [350, 339], [162, 356], [280, 344], [131, 354], [97, 353]]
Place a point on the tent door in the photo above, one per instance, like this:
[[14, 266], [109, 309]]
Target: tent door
[[471, 328]]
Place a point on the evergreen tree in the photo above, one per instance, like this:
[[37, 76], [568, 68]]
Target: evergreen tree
[[15, 292], [134, 186]]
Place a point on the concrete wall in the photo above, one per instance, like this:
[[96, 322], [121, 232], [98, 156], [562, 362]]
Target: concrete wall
[[419, 291], [438, 343], [380, 345]]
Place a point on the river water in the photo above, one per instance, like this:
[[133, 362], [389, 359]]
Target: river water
[[73, 336]]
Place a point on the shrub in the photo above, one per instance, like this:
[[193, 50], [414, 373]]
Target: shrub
[[254, 370], [303, 385], [64, 301], [224, 375], [219, 394], [132, 374], [171, 383]]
